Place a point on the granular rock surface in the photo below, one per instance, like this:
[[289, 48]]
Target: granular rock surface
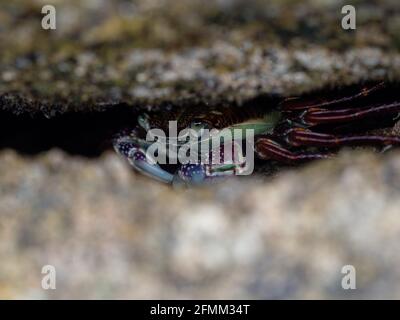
[[112, 233]]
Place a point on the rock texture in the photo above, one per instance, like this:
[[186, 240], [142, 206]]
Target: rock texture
[[113, 234], [140, 53]]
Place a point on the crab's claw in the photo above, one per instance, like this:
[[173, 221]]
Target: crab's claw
[[146, 165], [141, 161], [190, 174]]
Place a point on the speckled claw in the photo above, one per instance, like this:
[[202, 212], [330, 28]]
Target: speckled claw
[[193, 174], [144, 164], [141, 161], [220, 165]]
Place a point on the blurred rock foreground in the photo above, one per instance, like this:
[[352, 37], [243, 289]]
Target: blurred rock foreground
[[111, 233]]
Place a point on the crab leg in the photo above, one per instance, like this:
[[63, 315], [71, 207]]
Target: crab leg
[[298, 104], [315, 116], [303, 137], [268, 149]]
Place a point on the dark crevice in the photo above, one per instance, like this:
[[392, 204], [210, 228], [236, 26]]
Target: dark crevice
[[89, 134], [85, 134]]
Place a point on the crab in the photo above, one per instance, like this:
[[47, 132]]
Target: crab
[[297, 130], [196, 126]]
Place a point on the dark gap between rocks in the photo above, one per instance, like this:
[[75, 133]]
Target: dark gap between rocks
[[89, 134], [84, 134]]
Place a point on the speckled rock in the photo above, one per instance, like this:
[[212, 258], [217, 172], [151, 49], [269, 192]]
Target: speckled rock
[[139, 53], [113, 234]]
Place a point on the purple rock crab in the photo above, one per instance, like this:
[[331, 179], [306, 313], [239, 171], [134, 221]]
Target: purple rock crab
[[297, 130]]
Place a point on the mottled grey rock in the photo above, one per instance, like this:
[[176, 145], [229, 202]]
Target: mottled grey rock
[[113, 234], [143, 54]]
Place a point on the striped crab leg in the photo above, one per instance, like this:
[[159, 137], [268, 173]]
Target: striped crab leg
[[303, 137], [268, 149]]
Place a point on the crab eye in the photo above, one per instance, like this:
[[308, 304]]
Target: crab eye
[[198, 125], [144, 121], [199, 128]]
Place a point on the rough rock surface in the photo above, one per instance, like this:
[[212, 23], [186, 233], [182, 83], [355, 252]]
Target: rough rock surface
[[113, 234], [138, 53]]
